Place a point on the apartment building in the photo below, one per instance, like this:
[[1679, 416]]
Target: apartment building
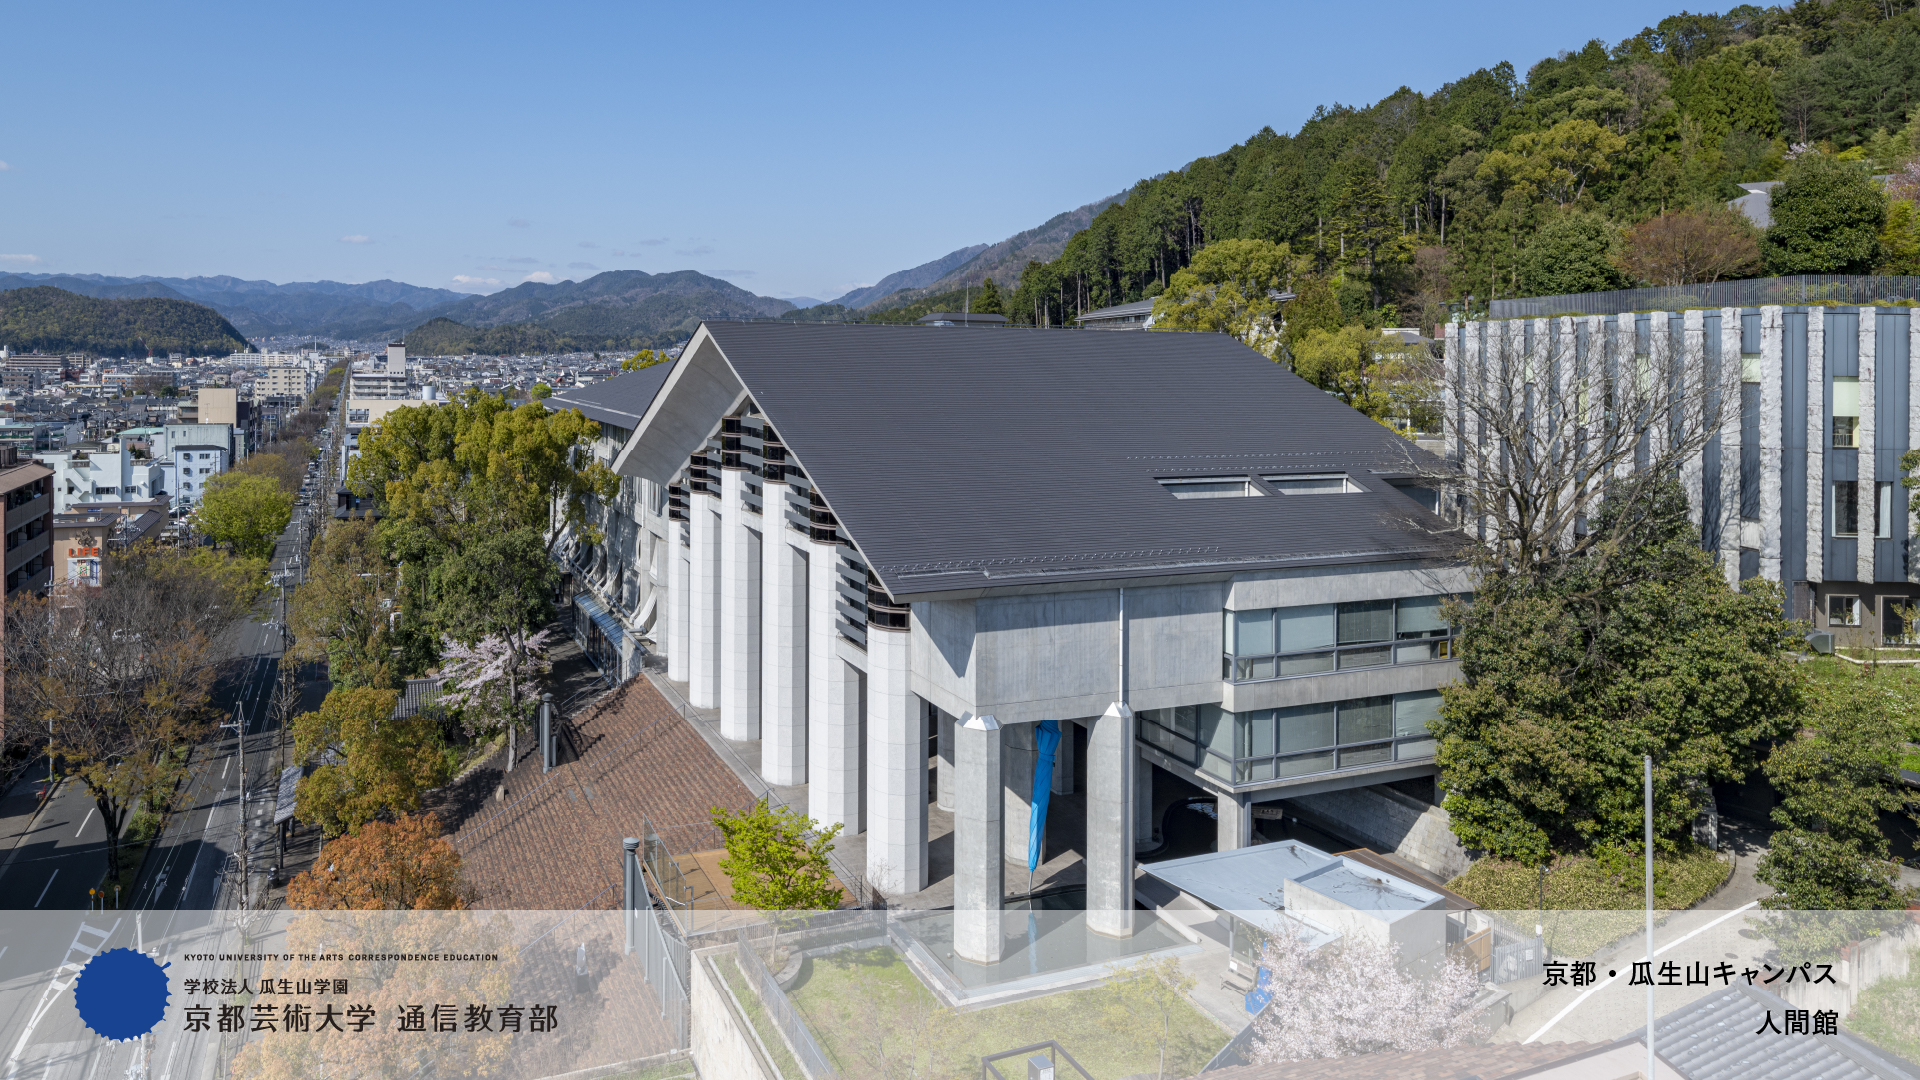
[[1802, 484], [83, 539], [380, 378], [901, 558], [25, 494], [90, 473]]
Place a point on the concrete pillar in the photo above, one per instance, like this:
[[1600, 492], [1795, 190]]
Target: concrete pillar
[[1143, 823], [703, 608], [943, 787], [674, 604], [833, 703], [979, 864], [1019, 749], [1063, 760], [783, 656], [896, 768], [1233, 822], [1114, 773], [739, 612]]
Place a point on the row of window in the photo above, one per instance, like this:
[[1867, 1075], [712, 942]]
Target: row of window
[[1846, 509], [1271, 744], [1279, 643]]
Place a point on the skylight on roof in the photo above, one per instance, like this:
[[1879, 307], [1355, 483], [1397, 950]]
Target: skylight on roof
[[1317, 484], [1211, 487]]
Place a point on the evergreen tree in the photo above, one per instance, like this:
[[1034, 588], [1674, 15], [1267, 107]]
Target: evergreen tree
[[987, 301], [1572, 253], [1827, 218]]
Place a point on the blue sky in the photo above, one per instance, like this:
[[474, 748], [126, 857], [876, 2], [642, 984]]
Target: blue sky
[[789, 148]]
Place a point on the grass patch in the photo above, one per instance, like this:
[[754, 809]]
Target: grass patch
[[783, 1061], [1888, 1013], [672, 1070], [875, 1019], [1588, 903]]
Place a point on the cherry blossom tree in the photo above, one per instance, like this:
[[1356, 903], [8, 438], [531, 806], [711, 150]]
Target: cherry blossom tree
[[491, 681], [1354, 995]]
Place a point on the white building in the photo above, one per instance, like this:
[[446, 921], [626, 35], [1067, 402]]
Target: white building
[[381, 378], [187, 467], [95, 474]]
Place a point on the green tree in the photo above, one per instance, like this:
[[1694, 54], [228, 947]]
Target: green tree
[[541, 391], [1228, 288], [1575, 669], [246, 511], [988, 302], [645, 358], [1345, 363], [777, 859], [383, 763], [1573, 253], [340, 613], [1827, 217], [496, 583], [1900, 240]]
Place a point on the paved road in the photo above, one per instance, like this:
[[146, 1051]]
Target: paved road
[[62, 853]]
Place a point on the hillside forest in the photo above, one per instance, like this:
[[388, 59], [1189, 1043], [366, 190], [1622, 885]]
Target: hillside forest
[[48, 320], [1588, 173]]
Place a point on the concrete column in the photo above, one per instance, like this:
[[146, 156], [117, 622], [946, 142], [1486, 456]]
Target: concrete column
[[833, 703], [1732, 529], [1115, 774], [1772, 455], [1869, 438], [673, 606], [1063, 760], [896, 768], [783, 656], [1693, 361], [1019, 749], [1234, 822], [703, 609], [979, 864], [739, 612], [1143, 823], [943, 789]]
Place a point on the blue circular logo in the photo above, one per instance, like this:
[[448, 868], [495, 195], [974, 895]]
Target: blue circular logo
[[121, 994]]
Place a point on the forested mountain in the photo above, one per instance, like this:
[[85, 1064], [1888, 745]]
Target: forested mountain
[[368, 310], [919, 277], [1479, 187], [45, 319], [618, 303]]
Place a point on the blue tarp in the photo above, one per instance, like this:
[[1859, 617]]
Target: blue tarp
[[1048, 736]]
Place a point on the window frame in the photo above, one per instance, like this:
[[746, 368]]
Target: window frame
[[1857, 615], [1398, 647], [1161, 729]]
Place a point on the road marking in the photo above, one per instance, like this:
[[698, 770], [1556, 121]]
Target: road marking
[[83, 822], [228, 764], [1562, 1014], [55, 988], [48, 885]]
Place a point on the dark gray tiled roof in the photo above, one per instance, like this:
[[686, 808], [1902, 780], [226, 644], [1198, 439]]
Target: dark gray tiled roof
[[959, 459], [1714, 1038], [620, 401]]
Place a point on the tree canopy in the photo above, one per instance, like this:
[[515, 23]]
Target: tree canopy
[[246, 510]]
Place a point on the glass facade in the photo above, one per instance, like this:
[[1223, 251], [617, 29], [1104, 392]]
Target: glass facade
[[1280, 643], [1278, 744]]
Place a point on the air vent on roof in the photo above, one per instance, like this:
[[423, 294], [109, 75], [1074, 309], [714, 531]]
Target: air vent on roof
[[1319, 484], [1210, 487]]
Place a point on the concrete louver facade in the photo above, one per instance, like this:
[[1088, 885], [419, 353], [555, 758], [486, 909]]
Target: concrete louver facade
[[889, 553], [1802, 482]]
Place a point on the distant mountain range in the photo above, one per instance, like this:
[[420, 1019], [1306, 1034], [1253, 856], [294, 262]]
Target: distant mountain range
[[615, 310], [45, 319]]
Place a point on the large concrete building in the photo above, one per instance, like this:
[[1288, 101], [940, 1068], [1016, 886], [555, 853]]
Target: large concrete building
[[26, 518], [894, 556], [1803, 484]]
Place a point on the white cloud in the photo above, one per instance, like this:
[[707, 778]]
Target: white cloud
[[470, 282], [588, 244], [582, 266], [21, 260], [356, 238], [540, 276], [4, 167], [520, 223], [701, 250]]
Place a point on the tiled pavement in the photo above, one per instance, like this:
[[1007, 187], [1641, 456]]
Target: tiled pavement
[[553, 841]]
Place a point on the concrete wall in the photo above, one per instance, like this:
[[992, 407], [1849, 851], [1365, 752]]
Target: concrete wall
[[721, 1044], [1334, 584], [1387, 821]]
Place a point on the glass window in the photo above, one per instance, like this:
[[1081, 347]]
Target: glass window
[[1413, 748], [1369, 620], [1883, 510], [1353, 756], [1306, 627], [1253, 632], [1846, 508], [1422, 651], [1256, 734], [1312, 485], [1366, 718], [1219, 767], [1217, 728], [1224, 488], [1413, 714], [1249, 771], [1306, 663], [1846, 411], [1305, 727], [1184, 719], [1419, 616], [1245, 669], [1843, 611], [1305, 764], [1359, 658]]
